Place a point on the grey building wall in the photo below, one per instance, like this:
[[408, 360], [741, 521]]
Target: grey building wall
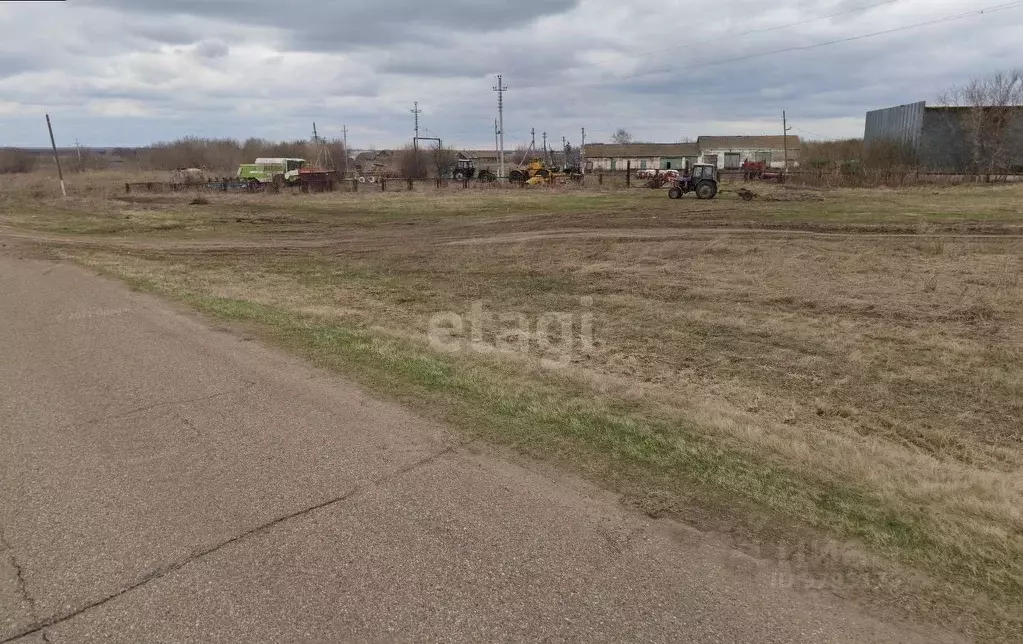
[[943, 146], [946, 146], [902, 124], [937, 137]]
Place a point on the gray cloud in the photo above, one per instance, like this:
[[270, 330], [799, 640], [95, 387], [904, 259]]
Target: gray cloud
[[340, 26], [15, 63], [254, 67], [211, 49]]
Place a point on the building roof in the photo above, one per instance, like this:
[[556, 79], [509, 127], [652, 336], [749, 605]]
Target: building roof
[[484, 154], [372, 155], [965, 108], [747, 142], [640, 150]]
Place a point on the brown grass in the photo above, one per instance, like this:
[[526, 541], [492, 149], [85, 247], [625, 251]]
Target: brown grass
[[864, 346]]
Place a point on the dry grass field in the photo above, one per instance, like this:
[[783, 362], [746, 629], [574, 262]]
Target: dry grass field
[[833, 378]]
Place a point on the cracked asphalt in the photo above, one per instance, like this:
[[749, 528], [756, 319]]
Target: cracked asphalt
[[165, 481]]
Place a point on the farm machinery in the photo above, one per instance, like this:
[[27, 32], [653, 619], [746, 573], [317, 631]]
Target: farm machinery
[[466, 169], [759, 170], [539, 173], [277, 171], [702, 179], [281, 172]]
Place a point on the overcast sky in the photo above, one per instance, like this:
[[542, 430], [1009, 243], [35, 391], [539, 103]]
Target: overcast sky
[[130, 72]]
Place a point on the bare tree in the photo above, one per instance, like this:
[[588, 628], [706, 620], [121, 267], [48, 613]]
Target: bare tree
[[987, 115], [413, 162], [622, 136], [443, 159], [522, 155], [572, 156], [329, 154]]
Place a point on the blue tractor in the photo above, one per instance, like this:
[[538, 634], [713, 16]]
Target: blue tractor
[[701, 178]]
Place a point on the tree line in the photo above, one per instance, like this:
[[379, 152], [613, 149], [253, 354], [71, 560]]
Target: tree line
[[215, 156]]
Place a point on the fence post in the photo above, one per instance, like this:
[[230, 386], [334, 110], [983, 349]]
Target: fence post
[[127, 188], [383, 185], [628, 174], [411, 184], [600, 179]]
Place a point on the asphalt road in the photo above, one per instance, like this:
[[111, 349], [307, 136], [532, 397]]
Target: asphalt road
[[165, 481]]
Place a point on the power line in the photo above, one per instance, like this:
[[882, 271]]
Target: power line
[[714, 40], [818, 135], [751, 32], [721, 61]]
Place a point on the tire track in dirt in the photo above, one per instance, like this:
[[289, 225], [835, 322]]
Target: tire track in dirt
[[662, 233]]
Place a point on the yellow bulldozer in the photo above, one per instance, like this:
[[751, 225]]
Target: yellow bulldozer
[[538, 173]]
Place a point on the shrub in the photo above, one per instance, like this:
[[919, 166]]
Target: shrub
[[13, 161]]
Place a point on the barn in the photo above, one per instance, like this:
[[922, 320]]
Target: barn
[[640, 156], [729, 152]]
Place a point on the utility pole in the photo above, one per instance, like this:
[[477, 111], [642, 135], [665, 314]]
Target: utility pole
[[564, 151], [416, 112], [496, 131], [56, 157], [78, 149], [582, 154], [532, 134], [785, 138], [344, 138], [316, 136], [500, 89], [545, 147]]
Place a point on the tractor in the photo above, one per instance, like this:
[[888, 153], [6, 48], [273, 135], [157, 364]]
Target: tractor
[[702, 179], [466, 169]]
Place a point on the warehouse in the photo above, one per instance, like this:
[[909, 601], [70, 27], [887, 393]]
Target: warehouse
[[724, 152], [640, 156], [729, 152], [950, 139]]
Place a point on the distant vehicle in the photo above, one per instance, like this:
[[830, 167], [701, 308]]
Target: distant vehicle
[[466, 169], [278, 171], [650, 174], [703, 180], [753, 169]]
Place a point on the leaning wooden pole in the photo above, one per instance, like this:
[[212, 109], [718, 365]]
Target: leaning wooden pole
[[56, 157]]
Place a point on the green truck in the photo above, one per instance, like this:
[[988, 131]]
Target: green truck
[[278, 171]]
